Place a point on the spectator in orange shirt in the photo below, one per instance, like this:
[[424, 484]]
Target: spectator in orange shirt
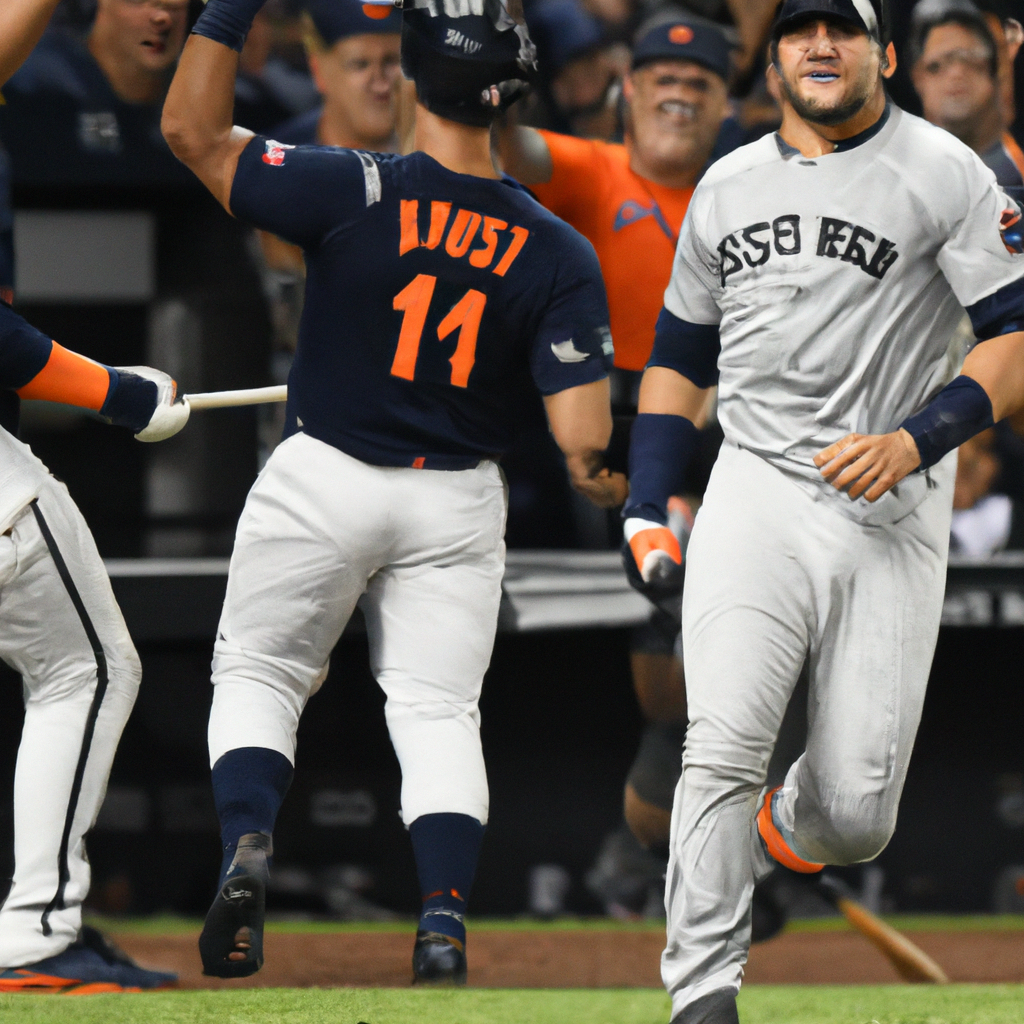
[[630, 199]]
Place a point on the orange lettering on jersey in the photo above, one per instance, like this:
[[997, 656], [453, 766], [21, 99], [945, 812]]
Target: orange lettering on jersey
[[414, 301], [464, 229], [466, 315], [489, 236], [410, 217], [438, 219], [519, 237]]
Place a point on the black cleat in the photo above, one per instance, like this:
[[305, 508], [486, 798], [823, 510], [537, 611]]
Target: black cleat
[[768, 912], [234, 923], [718, 1007], [438, 960]]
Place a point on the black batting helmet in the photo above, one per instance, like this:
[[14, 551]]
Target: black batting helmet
[[457, 50]]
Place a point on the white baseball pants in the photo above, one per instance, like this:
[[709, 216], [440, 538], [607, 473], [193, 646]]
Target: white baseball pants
[[60, 627], [775, 579], [424, 550]]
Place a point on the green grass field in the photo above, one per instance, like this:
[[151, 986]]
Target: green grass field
[[903, 1004]]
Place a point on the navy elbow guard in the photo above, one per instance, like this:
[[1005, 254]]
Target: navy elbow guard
[[958, 412], [228, 21], [660, 450]]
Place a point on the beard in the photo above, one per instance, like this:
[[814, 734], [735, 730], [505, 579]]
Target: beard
[[830, 116]]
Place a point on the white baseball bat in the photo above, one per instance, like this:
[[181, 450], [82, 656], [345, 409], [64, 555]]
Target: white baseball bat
[[245, 396]]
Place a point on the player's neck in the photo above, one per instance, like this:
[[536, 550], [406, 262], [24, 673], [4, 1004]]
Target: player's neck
[[814, 140], [458, 147], [335, 129]]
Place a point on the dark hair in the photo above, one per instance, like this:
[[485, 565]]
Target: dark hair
[[975, 24]]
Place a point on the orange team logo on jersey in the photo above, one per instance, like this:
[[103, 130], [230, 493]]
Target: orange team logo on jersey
[[460, 232], [680, 35]]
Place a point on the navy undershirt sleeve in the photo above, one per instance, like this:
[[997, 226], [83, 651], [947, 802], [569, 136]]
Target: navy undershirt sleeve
[[690, 349], [299, 193], [1001, 313], [24, 351]]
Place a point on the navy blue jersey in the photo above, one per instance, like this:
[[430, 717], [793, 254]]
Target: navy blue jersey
[[428, 294]]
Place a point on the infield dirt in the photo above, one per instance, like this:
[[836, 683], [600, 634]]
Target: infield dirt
[[580, 959]]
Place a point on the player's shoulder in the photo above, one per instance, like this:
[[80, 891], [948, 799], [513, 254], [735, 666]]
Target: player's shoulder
[[741, 161], [919, 142]]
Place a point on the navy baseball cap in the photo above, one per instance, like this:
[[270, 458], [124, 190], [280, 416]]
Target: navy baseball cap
[[339, 19], [563, 31], [689, 39], [870, 15]]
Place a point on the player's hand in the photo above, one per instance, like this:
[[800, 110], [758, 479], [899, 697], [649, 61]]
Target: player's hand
[[605, 488], [170, 414], [868, 465]]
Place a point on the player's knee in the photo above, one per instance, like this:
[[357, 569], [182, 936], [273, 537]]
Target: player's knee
[[858, 830]]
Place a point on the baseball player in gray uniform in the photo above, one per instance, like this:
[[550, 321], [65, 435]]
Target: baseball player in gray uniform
[[819, 278]]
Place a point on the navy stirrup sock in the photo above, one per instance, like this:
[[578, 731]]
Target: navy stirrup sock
[[447, 848], [249, 784]]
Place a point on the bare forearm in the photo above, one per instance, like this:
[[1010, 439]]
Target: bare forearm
[[581, 423], [22, 22], [668, 393], [198, 114], [998, 366]]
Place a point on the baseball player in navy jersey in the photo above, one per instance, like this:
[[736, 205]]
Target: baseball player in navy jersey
[[820, 277], [432, 284]]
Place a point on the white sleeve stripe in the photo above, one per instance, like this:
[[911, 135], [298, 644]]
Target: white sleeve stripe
[[371, 174]]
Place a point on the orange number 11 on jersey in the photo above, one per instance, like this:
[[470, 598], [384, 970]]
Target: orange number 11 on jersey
[[414, 301]]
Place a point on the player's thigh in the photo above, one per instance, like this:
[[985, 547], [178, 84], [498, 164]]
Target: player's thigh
[[301, 557], [745, 610], [59, 620], [872, 656], [432, 617]]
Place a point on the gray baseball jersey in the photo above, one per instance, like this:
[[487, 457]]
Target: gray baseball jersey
[[838, 284]]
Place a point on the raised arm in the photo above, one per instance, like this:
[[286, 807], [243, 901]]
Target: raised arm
[[198, 113], [22, 22], [581, 423]]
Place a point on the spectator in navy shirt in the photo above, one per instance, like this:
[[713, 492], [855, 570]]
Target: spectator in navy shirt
[[354, 61], [87, 111]]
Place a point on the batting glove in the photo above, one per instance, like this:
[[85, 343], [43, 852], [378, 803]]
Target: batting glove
[[169, 414], [653, 552]]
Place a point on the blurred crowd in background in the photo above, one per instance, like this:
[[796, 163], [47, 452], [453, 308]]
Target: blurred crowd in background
[[81, 124], [636, 98]]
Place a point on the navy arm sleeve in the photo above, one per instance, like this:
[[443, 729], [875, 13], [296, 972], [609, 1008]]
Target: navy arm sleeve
[[1001, 313], [690, 349], [302, 193], [24, 351], [573, 343]]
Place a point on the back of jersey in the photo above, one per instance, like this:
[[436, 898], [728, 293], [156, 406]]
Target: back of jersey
[[428, 294]]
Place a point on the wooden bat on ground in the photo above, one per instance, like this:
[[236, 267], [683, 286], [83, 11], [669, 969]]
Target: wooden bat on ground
[[911, 962], [246, 396]]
